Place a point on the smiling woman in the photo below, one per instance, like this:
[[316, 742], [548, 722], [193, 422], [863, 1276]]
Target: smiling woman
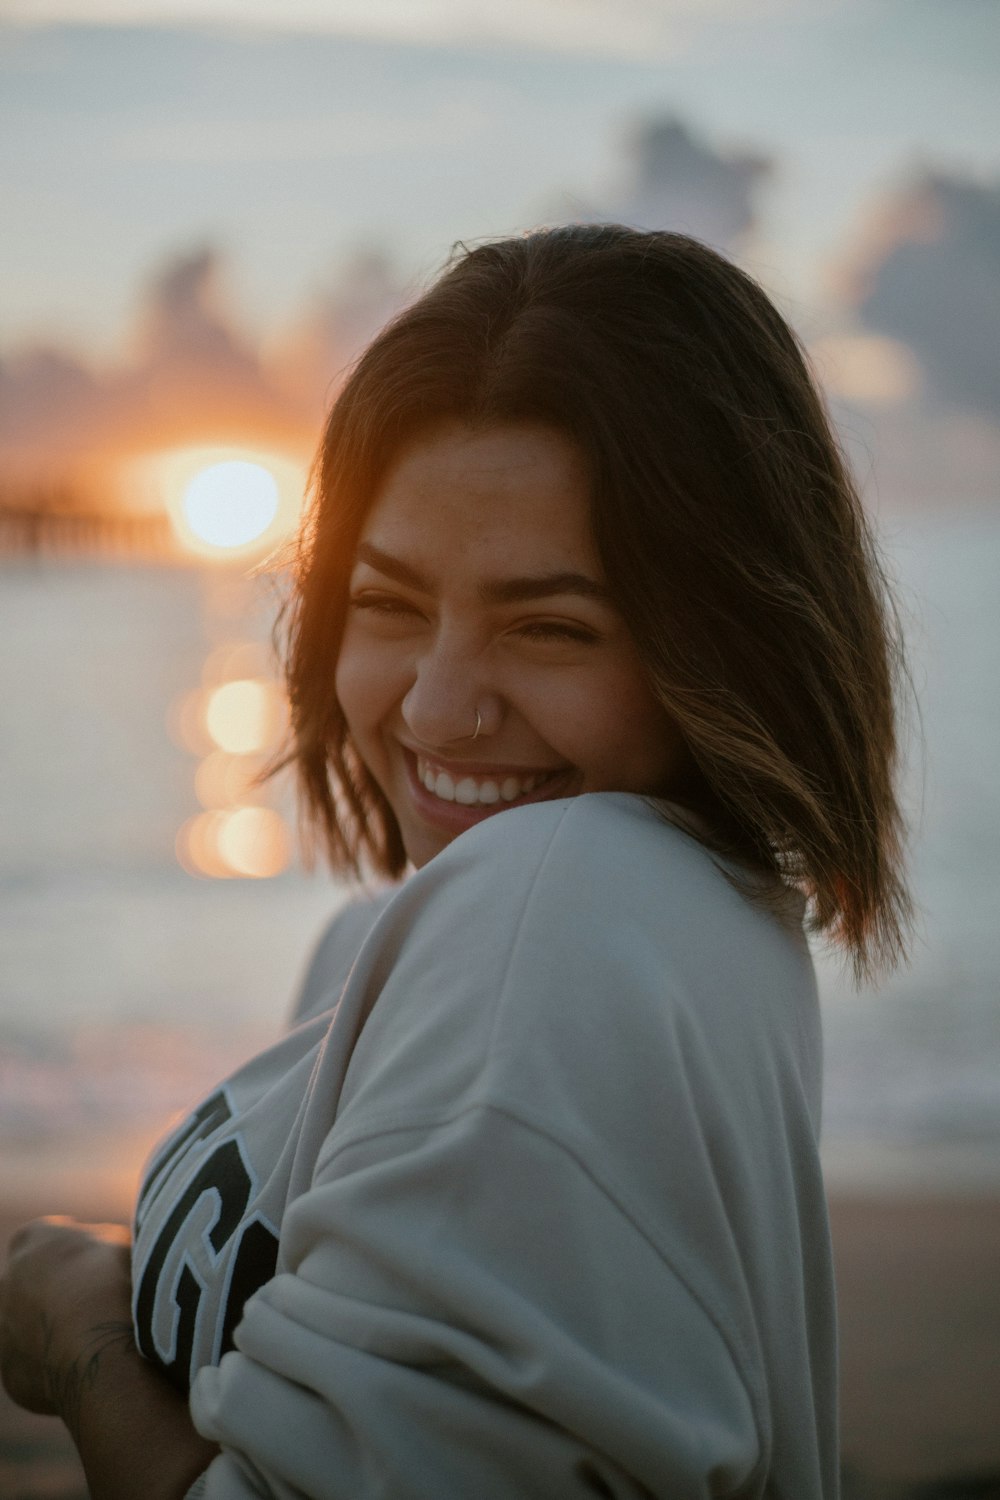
[[484, 664], [589, 655]]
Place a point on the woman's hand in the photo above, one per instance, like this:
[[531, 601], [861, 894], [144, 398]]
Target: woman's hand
[[66, 1348], [65, 1297]]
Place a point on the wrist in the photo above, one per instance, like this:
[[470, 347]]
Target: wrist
[[86, 1355], [131, 1427]]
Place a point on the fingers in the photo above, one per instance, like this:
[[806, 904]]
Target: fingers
[[63, 1280], [59, 1226]]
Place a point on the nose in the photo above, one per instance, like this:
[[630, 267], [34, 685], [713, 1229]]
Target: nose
[[449, 699]]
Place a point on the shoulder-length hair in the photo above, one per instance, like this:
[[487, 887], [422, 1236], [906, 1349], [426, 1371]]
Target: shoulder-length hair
[[732, 539]]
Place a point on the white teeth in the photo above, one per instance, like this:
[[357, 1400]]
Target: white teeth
[[470, 792]]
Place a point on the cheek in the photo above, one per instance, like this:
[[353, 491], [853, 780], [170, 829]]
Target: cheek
[[609, 727], [629, 736], [369, 683], [357, 686], [343, 689]]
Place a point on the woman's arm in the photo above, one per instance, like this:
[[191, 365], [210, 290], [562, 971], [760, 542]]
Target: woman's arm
[[66, 1348]]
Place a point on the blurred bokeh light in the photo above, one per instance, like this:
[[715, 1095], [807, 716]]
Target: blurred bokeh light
[[223, 780], [248, 842], [244, 717]]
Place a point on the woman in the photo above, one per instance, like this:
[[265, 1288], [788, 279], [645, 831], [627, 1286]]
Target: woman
[[528, 1201]]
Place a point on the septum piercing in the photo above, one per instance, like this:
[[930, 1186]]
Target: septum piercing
[[479, 724]]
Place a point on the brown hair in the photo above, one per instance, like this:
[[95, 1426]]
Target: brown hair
[[732, 539]]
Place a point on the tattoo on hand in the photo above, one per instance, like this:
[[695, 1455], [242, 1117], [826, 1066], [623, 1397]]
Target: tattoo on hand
[[67, 1384]]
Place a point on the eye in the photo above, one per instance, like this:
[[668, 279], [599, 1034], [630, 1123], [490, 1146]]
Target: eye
[[383, 606], [557, 632]]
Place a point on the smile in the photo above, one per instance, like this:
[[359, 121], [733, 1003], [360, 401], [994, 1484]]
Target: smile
[[478, 791]]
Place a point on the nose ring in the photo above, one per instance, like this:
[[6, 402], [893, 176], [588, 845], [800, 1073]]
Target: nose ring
[[479, 724]]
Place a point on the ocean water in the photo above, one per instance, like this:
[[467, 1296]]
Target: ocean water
[[913, 1071], [128, 986]]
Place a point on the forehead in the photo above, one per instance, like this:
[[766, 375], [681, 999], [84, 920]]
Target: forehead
[[510, 491]]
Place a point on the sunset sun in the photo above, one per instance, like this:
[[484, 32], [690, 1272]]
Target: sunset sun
[[225, 503], [231, 504]]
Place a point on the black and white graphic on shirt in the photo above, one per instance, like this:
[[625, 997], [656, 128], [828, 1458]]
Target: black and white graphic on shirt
[[207, 1118], [196, 1234]]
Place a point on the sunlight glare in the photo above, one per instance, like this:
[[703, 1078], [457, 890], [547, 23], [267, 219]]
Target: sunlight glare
[[230, 504], [226, 504]]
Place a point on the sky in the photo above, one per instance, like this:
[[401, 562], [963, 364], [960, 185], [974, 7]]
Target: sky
[[291, 133]]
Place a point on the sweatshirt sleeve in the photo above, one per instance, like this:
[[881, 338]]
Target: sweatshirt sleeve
[[430, 1340], [554, 1212], [334, 954]]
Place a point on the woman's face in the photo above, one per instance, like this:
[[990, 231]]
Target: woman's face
[[477, 596]]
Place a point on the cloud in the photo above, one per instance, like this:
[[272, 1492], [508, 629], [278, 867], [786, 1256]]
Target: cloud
[[187, 343], [321, 137], [647, 30], [928, 274], [312, 358], [866, 369], [675, 181], [191, 377], [49, 404]]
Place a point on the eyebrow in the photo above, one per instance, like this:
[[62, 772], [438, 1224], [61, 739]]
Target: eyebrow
[[499, 591]]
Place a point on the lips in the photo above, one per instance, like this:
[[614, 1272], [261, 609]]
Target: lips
[[453, 797], [473, 790]]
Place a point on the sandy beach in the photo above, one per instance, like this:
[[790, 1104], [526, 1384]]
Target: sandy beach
[[919, 1286]]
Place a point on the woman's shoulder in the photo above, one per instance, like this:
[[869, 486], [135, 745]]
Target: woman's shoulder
[[587, 969], [610, 860], [591, 833], [336, 950], [589, 928]]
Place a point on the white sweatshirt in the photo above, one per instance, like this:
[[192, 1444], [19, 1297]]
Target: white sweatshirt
[[543, 1189]]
